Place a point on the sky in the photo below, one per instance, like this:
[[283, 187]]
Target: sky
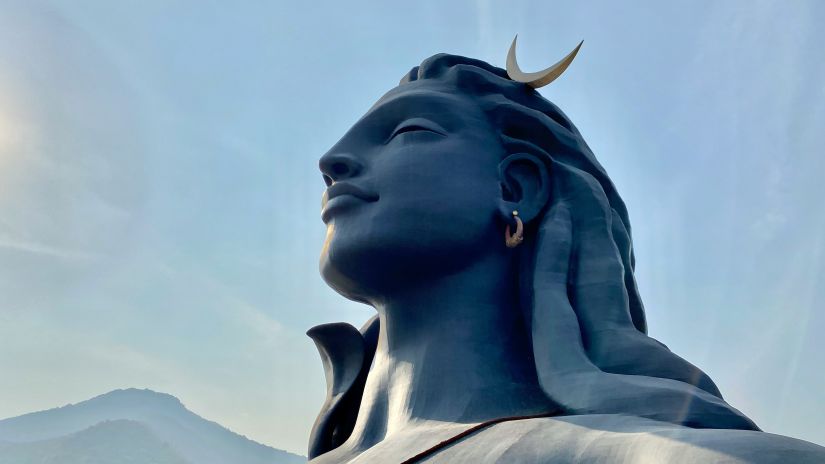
[[160, 195]]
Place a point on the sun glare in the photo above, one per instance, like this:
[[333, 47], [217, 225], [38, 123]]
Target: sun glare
[[14, 128]]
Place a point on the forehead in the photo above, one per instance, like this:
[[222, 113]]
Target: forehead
[[455, 111], [440, 103], [424, 98]]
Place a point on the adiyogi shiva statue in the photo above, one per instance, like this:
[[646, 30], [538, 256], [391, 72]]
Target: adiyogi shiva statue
[[470, 213]]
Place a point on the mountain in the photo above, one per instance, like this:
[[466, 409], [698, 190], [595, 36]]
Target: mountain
[[189, 436], [121, 441]]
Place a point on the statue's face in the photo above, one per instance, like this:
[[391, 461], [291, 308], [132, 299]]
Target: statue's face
[[412, 192]]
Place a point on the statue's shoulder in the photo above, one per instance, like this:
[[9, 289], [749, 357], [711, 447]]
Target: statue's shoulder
[[624, 439]]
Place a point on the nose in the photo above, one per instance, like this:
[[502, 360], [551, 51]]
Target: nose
[[338, 166]]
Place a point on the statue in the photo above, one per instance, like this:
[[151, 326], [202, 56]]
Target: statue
[[471, 214]]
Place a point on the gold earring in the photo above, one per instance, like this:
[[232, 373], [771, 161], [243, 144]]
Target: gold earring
[[513, 241]]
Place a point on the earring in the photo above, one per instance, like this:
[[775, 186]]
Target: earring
[[513, 241]]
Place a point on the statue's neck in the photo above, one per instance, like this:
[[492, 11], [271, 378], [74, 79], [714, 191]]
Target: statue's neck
[[454, 350]]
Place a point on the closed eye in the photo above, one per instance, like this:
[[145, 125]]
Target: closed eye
[[417, 125]]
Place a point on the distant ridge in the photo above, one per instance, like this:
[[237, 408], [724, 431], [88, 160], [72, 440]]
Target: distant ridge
[[121, 441], [194, 439]]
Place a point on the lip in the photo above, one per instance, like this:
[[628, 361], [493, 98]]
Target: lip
[[344, 188], [341, 194]]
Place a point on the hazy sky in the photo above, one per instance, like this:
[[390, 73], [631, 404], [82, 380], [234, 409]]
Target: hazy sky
[[159, 190]]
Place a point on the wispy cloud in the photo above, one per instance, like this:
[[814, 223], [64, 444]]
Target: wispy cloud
[[43, 249]]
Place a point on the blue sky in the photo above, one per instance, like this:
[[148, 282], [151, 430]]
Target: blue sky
[[159, 191]]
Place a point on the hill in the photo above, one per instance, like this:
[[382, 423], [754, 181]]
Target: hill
[[190, 436], [124, 442]]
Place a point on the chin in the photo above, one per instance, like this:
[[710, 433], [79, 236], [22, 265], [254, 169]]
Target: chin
[[340, 282], [351, 266], [368, 267]]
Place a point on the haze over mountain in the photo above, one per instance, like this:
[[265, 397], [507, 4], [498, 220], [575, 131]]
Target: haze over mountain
[[121, 441], [134, 426]]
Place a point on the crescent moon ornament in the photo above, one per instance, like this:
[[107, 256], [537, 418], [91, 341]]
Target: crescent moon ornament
[[540, 78]]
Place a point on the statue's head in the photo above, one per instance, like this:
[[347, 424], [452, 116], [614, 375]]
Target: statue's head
[[434, 170], [425, 184], [421, 171]]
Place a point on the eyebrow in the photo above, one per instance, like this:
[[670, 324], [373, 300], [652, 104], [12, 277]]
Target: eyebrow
[[439, 96], [426, 123], [427, 104], [430, 101]]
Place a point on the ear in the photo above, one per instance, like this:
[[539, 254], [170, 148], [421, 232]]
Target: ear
[[525, 186]]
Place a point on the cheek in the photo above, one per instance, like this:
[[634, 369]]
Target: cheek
[[438, 195], [436, 213], [435, 216]]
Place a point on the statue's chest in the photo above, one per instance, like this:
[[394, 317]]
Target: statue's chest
[[427, 444], [594, 439]]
